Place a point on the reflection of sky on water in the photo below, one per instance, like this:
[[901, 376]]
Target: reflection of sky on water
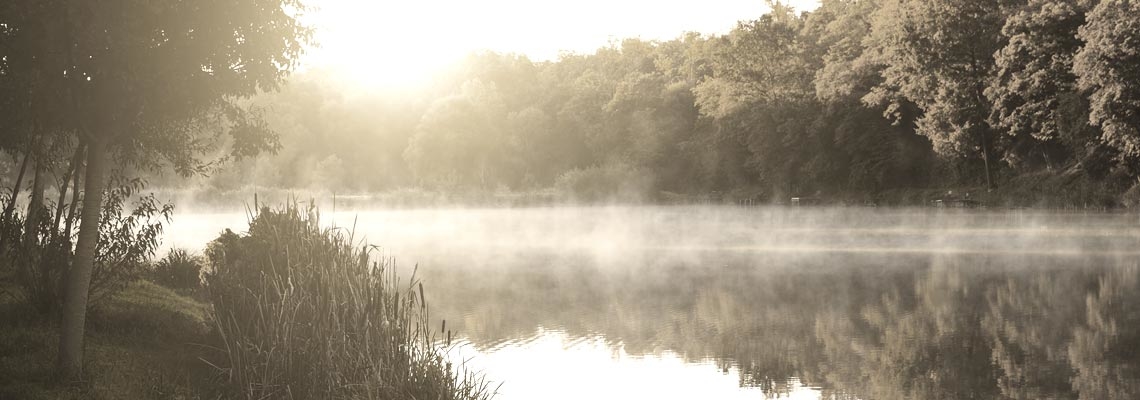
[[554, 365]]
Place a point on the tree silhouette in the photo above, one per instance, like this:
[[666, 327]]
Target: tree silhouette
[[150, 85]]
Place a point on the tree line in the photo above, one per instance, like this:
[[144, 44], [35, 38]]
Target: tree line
[[853, 97]]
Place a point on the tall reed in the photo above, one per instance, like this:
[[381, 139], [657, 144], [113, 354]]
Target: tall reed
[[305, 313]]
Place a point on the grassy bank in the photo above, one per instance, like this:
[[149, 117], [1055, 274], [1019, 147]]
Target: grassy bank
[[142, 343]]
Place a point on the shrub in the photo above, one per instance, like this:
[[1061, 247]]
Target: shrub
[[608, 182], [180, 270], [127, 241], [128, 238], [1131, 197], [303, 313]]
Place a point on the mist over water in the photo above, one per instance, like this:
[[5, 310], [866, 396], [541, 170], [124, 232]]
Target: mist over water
[[621, 231], [731, 302]]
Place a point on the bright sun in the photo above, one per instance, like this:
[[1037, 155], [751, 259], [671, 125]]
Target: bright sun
[[386, 44], [379, 44]]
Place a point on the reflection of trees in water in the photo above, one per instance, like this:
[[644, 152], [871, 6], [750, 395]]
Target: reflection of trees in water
[[1104, 350], [910, 334], [914, 327], [924, 341], [1029, 322]]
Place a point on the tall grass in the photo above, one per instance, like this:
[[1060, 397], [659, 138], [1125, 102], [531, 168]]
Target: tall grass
[[305, 313]]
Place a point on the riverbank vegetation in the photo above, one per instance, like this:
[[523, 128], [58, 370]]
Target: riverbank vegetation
[[304, 311], [86, 98], [289, 310]]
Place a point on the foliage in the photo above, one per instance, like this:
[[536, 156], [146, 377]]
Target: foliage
[[458, 141], [605, 183], [1034, 72], [1106, 68], [129, 240], [938, 55], [853, 98], [848, 71], [303, 312], [179, 270]]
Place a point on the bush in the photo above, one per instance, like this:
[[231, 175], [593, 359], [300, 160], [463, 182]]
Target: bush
[[613, 182], [128, 238], [1131, 197], [180, 270], [303, 313]]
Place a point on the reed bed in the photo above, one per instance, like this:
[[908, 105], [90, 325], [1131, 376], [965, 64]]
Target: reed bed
[[304, 312]]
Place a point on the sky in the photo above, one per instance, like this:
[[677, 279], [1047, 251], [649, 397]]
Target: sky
[[386, 43]]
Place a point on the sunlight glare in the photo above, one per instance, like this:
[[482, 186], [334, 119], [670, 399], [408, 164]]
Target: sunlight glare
[[388, 44]]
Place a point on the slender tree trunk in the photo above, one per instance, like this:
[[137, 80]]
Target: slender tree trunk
[[986, 158], [70, 363], [61, 240], [987, 130], [35, 205], [71, 170], [67, 224]]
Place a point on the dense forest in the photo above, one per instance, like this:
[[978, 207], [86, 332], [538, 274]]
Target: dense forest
[[862, 100], [854, 99]]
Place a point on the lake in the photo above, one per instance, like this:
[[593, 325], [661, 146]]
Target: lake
[[802, 303]]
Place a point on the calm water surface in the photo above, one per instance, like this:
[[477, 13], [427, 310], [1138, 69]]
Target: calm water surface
[[725, 302]]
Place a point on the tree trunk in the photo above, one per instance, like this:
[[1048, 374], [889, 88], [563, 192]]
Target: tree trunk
[[35, 205], [63, 187], [987, 129], [67, 223], [70, 363], [986, 158], [61, 240]]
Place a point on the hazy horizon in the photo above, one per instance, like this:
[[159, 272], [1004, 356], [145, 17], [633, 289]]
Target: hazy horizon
[[378, 45]]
